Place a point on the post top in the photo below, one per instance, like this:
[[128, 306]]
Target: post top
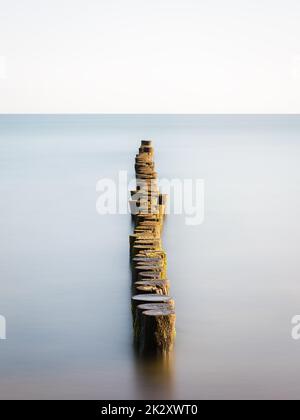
[[146, 142]]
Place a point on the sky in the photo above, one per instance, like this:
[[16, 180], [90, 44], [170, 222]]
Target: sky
[[158, 56]]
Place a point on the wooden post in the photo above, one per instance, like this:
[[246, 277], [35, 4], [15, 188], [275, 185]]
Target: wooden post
[[153, 309], [160, 286]]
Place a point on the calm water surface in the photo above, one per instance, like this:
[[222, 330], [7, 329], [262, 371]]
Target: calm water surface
[[64, 270]]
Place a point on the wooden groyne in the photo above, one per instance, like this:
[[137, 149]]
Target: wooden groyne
[[153, 310]]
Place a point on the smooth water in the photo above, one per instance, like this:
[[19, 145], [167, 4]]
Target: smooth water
[[64, 270]]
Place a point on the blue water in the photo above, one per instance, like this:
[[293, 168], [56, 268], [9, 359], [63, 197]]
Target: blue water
[[64, 273]]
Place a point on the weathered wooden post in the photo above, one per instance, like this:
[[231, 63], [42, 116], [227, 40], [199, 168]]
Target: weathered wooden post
[[152, 308]]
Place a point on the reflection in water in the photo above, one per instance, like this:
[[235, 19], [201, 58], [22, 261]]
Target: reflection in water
[[154, 375]]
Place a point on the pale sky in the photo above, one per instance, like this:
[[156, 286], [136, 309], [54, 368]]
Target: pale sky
[[149, 56]]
